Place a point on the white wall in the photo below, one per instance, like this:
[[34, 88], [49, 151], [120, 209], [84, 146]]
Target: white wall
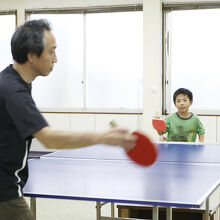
[[210, 125], [152, 63], [21, 5], [87, 122], [97, 122]]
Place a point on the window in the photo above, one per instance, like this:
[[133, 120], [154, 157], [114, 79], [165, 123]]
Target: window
[[8, 24], [99, 61], [191, 56], [63, 88]]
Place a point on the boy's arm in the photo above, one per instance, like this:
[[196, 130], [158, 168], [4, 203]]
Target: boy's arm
[[201, 137]]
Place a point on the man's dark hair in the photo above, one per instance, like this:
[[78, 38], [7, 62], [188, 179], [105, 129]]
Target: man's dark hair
[[28, 38], [184, 92]]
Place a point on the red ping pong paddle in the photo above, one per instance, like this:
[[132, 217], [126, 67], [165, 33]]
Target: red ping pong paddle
[[159, 124], [145, 152]]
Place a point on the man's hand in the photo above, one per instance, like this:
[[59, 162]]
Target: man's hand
[[119, 137]]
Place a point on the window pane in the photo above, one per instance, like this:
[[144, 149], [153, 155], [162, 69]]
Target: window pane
[[195, 47], [8, 25], [63, 87], [114, 60]]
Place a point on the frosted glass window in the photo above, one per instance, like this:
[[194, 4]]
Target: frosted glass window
[[100, 61], [114, 60], [194, 57], [8, 25], [63, 88]]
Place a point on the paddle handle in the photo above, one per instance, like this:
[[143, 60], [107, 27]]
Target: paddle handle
[[113, 124]]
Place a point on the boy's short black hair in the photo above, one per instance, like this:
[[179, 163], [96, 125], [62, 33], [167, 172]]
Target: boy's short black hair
[[183, 91]]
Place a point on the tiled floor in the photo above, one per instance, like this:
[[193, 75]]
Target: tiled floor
[[58, 209]]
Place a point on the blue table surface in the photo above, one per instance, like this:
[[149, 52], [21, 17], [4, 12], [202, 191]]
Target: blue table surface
[[167, 152], [104, 173]]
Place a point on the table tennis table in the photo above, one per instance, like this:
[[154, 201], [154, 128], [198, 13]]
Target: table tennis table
[[104, 174]]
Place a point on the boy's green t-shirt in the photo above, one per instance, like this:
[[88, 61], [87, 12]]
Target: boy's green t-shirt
[[183, 129]]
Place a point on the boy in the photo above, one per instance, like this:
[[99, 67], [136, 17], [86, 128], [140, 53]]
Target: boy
[[183, 125]]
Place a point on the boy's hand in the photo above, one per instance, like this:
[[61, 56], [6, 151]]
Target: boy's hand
[[159, 126], [156, 116]]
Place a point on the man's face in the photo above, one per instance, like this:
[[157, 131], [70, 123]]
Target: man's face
[[43, 65], [182, 103]]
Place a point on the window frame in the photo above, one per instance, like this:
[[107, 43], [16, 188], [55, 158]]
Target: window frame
[[83, 11], [10, 12], [166, 46]]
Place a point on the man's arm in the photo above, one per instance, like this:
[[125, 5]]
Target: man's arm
[[64, 140]]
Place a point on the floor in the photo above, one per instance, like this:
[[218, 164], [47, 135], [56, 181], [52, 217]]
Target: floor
[[58, 209]]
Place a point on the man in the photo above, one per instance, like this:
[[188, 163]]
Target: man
[[33, 50]]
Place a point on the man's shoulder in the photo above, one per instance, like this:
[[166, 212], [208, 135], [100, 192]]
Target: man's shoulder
[[9, 79], [8, 69], [4, 81], [6, 75]]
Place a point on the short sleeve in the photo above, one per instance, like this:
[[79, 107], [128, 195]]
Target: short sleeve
[[24, 113], [200, 128]]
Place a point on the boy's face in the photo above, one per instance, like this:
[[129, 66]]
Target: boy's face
[[183, 103]]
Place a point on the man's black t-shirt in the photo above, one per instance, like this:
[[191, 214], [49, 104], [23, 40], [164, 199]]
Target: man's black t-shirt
[[19, 119]]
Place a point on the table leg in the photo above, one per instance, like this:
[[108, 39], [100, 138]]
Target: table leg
[[112, 209], [169, 215], [98, 210], [219, 207], [207, 217], [33, 206], [155, 212]]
